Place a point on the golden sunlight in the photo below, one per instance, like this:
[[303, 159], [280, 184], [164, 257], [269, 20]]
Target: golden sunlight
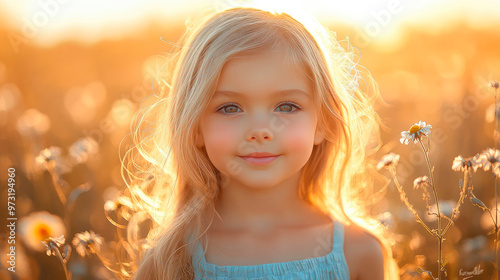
[[49, 22], [83, 84]]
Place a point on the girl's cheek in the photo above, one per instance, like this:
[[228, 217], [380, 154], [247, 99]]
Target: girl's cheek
[[221, 136], [299, 136]]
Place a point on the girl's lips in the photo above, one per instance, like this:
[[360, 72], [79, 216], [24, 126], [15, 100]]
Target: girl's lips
[[260, 160]]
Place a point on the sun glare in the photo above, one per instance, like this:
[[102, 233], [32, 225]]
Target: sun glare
[[277, 6], [93, 20]]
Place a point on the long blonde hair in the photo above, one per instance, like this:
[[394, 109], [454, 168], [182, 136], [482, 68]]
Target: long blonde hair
[[173, 182]]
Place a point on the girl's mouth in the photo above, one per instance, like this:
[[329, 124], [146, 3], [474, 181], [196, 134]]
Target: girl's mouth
[[260, 160]]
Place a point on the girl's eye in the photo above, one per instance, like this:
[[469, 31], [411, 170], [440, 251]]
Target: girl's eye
[[228, 109], [286, 107]]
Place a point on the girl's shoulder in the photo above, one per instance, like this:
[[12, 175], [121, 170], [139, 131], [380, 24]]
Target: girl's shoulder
[[363, 253]]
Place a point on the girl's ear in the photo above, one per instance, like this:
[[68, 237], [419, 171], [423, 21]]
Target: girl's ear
[[319, 136]]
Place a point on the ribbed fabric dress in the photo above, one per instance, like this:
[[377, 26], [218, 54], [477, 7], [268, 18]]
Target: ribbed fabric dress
[[331, 266]]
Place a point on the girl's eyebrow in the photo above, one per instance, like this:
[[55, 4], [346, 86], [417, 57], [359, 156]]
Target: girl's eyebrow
[[287, 92]]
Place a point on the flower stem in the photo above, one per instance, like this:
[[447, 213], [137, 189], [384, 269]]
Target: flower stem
[[59, 191], [67, 275], [404, 198], [439, 233], [463, 195], [496, 227], [495, 138], [495, 132]]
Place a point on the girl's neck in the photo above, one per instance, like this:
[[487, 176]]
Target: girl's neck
[[261, 210]]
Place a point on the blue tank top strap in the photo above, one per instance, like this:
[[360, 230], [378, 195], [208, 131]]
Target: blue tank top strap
[[198, 253], [338, 236]]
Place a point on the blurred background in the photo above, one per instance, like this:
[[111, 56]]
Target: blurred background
[[74, 72]]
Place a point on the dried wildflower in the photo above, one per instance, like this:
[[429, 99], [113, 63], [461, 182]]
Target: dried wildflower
[[461, 164], [490, 159], [476, 202], [446, 208], [33, 123], [421, 182], [388, 160], [52, 243], [386, 219], [50, 159], [496, 170], [494, 84], [39, 226], [83, 149], [415, 132], [87, 243]]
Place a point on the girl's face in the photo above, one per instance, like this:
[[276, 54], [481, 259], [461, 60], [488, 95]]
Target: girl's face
[[262, 104]]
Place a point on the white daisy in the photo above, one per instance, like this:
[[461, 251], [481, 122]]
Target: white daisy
[[461, 164], [83, 149], [494, 84], [87, 243], [51, 159], [51, 243], [390, 159], [489, 159], [386, 219], [415, 132], [421, 182]]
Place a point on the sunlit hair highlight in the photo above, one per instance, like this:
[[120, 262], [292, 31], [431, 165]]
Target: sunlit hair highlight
[[172, 181]]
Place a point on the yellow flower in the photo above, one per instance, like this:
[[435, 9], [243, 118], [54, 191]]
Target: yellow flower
[[39, 226]]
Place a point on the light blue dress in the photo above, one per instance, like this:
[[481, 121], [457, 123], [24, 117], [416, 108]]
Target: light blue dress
[[331, 266]]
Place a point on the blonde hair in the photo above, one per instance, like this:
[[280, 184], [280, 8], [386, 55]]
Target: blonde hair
[[174, 182]]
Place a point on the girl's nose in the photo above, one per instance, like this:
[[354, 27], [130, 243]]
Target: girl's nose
[[260, 135]]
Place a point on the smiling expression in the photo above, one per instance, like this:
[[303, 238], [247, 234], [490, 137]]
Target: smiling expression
[[260, 126]]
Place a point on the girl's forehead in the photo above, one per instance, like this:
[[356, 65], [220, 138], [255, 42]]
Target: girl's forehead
[[285, 50], [270, 69], [282, 54]]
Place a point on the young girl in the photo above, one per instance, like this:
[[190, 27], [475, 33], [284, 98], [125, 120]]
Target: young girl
[[257, 150]]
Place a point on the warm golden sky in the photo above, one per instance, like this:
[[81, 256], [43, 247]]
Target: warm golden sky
[[91, 20]]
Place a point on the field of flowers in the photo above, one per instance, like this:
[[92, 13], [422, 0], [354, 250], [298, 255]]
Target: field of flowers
[[65, 113]]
